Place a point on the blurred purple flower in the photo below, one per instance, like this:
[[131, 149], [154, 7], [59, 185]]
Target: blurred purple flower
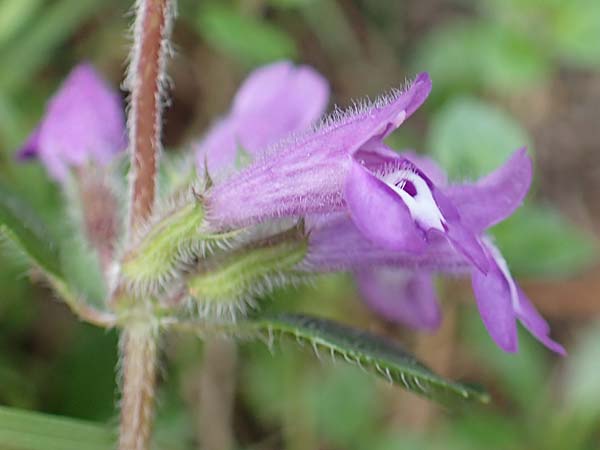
[[83, 122], [274, 101], [401, 296]]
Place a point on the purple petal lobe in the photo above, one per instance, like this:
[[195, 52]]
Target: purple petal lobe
[[402, 297], [535, 323], [468, 244], [493, 295], [274, 101], [379, 213], [496, 196]]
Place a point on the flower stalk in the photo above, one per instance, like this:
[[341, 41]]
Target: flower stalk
[[145, 80], [139, 353]]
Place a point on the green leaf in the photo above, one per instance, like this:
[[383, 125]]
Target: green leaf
[[26, 430], [51, 28], [537, 241], [20, 224], [471, 138], [245, 38], [576, 32], [370, 352], [27, 234], [14, 14]]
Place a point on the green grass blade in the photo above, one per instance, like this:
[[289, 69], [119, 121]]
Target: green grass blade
[[372, 353], [26, 430]]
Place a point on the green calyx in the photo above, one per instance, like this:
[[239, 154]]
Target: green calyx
[[230, 282], [173, 241]]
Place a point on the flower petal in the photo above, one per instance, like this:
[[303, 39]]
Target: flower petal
[[535, 323], [460, 236], [400, 296], [468, 244], [379, 213], [494, 197], [277, 100], [493, 295], [272, 102]]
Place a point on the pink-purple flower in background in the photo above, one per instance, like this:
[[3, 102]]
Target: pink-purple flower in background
[[273, 101], [83, 122]]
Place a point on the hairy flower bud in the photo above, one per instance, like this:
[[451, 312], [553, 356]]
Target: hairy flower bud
[[227, 284]]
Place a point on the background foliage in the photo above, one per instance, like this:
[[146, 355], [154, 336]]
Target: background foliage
[[506, 73]]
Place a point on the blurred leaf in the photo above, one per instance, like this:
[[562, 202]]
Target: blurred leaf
[[521, 374], [480, 55], [344, 419], [13, 16], [291, 3], [245, 38], [471, 138], [569, 30], [538, 241], [371, 352], [582, 388], [25, 430], [80, 264], [88, 391], [576, 32], [486, 430], [64, 261], [20, 224], [575, 422], [265, 377], [53, 26]]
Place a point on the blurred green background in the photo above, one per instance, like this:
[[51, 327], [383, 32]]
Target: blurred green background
[[506, 73]]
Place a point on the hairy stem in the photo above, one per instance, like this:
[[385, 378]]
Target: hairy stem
[[139, 353], [217, 391], [145, 81]]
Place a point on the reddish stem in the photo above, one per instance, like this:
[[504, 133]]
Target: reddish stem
[[145, 81], [139, 354]]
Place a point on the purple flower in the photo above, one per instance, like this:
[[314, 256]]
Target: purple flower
[[273, 101], [83, 122], [306, 173], [398, 220], [397, 284]]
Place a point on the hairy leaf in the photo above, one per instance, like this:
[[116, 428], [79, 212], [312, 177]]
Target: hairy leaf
[[370, 352]]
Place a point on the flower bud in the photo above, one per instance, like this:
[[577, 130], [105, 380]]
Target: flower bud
[[228, 284]]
